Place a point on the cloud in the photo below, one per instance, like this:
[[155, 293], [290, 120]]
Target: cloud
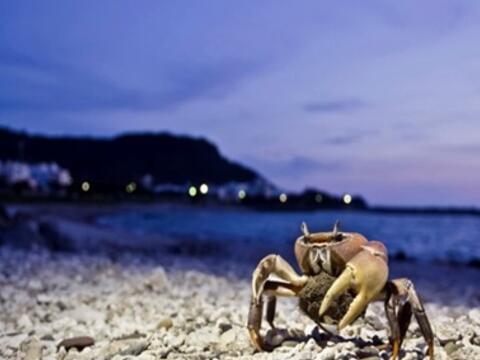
[[345, 139], [295, 166], [342, 105], [40, 85]]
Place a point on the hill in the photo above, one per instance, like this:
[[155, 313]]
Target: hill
[[118, 160]]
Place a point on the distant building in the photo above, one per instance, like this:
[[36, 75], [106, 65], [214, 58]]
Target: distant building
[[44, 177]]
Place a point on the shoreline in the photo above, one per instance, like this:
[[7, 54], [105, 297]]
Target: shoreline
[[79, 226], [156, 304]]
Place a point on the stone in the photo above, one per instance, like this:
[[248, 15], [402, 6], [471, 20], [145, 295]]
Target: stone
[[446, 332], [136, 348], [328, 353], [366, 352], [24, 322], [451, 347], [79, 343], [201, 338], [474, 314], [166, 323], [32, 348], [157, 281], [228, 337]]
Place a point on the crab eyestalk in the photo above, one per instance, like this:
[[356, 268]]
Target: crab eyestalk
[[304, 229]]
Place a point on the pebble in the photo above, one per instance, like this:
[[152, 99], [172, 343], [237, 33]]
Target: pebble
[[474, 314], [166, 323], [24, 322], [32, 348], [78, 343], [228, 337]]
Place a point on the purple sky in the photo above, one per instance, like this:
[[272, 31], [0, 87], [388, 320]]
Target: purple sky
[[380, 98]]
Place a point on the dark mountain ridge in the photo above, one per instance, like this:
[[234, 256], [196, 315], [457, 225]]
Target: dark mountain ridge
[[124, 158]]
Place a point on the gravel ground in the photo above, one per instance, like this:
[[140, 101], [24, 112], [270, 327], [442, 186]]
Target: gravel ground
[[135, 309]]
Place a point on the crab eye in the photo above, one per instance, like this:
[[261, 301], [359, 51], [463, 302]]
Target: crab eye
[[338, 237]]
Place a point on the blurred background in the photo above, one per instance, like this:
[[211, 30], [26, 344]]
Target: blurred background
[[211, 130]]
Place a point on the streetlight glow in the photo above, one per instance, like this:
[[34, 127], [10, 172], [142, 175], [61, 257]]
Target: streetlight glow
[[85, 186], [192, 191], [204, 189], [347, 199], [283, 198], [131, 187], [242, 194]]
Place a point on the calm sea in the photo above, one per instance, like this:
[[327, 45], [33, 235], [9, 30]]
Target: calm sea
[[249, 235]]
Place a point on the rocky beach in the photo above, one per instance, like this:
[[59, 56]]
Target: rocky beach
[[62, 300]]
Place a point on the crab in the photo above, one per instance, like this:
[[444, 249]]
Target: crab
[[342, 273]]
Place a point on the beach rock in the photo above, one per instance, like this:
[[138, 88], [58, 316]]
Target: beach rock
[[24, 322], [166, 323], [31, 348], [135, 348], [451, 347], [366, 352], [374, 321], [228, 337], [157, 281], [474, 314], [447, 332], [78, 343], [201, 338], [327, 354]]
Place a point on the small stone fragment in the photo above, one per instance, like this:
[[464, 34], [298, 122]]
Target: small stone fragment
[[79, 343], [228, 337], [136, 348], [166, 323], [367, 352], [32, 348], [24, 322]]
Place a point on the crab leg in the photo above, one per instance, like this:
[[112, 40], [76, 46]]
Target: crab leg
[[272, 289], [274, 265], [289, 286], [366, 273], [401, 294]]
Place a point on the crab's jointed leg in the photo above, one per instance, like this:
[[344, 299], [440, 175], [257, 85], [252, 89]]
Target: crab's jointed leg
[[367, 274], [402, 300], [272, 289], [274, 265], [291, 283]]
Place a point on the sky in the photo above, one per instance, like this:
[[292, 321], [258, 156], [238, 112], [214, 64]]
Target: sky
[[377, 98]]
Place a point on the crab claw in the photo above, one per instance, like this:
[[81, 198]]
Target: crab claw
[[366, 273]]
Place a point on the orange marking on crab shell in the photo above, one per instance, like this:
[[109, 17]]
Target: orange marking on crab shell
[[377, 248], [347, 248]]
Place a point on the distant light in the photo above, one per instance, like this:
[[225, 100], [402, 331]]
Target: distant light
[[318, 198], [131, 187], [192, 191], [204, 189], [85, 186], [283, 198], [242, 194], [347, 198]]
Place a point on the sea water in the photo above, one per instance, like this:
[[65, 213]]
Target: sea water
[[248, 235]]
